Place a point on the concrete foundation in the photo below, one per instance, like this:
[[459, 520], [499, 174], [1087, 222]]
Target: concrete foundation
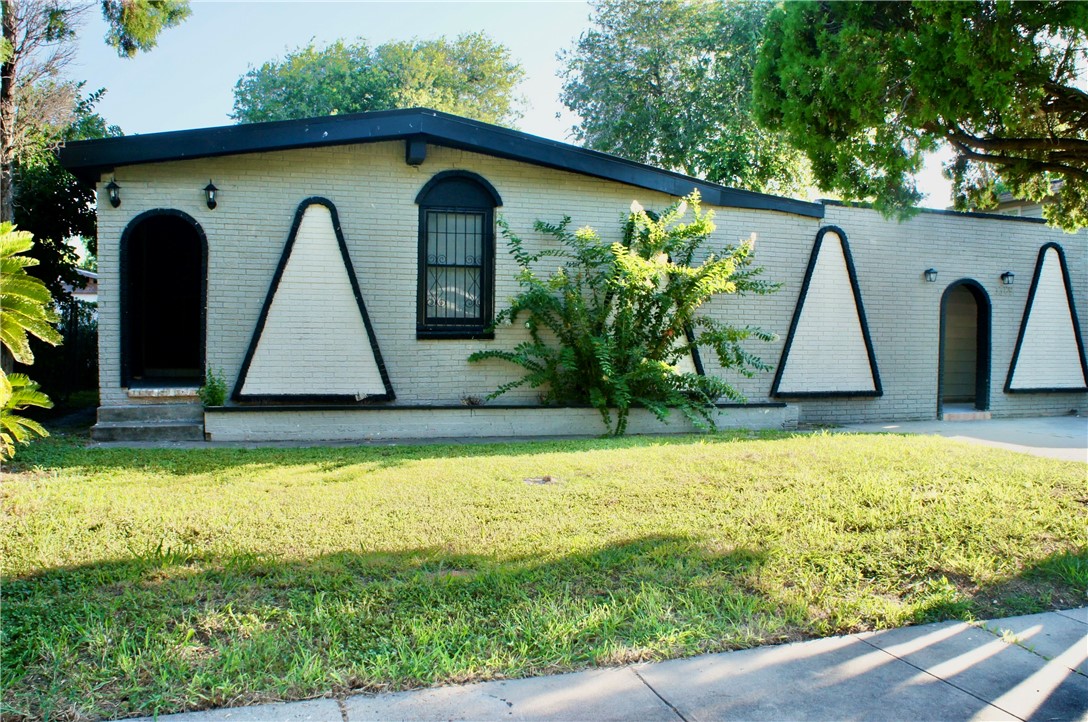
[[406, 422]]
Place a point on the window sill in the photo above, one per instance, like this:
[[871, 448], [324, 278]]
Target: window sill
[[168, 392], [453, 334]]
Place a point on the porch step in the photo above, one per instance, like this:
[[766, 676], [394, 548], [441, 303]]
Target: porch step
[[192, 413], [966, 416], [168, 430]]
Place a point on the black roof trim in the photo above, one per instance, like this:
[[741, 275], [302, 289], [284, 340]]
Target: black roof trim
[[88, 159], [938, 211]]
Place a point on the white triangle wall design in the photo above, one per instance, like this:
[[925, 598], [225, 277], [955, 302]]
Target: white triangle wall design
[[315, 340], [1049, 352], [828, 351]]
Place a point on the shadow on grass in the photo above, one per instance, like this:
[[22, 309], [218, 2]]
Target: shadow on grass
[[70, 452], [1059, 581], [179, 630]]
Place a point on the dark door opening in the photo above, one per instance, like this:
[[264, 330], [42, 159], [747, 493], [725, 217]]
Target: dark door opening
[[964, 366], [163, 271]]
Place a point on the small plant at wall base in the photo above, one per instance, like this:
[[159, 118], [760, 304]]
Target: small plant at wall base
[[214, 390], [611, 325]]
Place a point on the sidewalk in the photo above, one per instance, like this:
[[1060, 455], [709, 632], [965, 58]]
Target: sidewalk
[[1056, 437], [1027, 668]]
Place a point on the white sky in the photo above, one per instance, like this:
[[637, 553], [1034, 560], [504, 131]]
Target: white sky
[[187, 81]]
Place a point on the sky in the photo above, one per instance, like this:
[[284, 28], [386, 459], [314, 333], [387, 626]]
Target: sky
[[188, 79]]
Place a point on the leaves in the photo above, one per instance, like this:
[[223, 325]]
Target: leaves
[[17, 392], [669, 83], [26, 302], [472, 76], [26, 308], [866, 89], [135, 25], [609, 327]]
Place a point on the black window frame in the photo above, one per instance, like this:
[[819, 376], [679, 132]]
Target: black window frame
[[464, 193]]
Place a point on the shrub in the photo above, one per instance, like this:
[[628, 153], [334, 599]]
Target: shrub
[[214, 390], [27, 311], [610, 325]]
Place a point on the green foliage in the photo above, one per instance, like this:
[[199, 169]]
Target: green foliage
[[17, 392], [26, 309], [669, 83], [25, 300], [866, 89], [214, 390], [471, 76], [54, 206], [135, 25], [609, 327]]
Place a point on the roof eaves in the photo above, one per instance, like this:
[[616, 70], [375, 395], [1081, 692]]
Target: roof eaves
[[89, 159]]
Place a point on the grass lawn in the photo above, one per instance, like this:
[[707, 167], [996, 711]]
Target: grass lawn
[[138, 581]]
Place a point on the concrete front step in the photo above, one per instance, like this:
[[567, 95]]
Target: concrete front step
[[966, 416], [138, 413], [169, 430]]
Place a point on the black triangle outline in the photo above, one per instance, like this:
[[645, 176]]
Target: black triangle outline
[[1024, 326], [878, 389], [284, 258]]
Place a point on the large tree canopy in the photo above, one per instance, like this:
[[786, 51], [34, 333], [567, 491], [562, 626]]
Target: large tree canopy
[[865, 89], [669, 83], [472, 76], [37, 102]]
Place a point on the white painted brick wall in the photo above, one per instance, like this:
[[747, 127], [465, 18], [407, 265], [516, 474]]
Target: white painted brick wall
[[314, 340], [828, 352], [1049, 357], [374, 192]]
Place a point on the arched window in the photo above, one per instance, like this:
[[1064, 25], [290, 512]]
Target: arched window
[[456, 256]]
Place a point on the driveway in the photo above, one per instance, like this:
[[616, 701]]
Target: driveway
[[1057, 437]]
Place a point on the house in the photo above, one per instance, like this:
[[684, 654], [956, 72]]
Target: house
[[338, 272], [89, 292]]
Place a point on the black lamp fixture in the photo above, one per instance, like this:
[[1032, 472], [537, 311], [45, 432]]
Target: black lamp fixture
[[1007, 278], [114, 192], [931, 275], [209, 192]]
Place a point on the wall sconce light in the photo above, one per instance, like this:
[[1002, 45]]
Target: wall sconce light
[[931, 275], [209, 192], [114, 192], [1007, 278]]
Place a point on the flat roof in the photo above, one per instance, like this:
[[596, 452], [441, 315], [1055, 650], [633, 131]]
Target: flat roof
[[89, 159]]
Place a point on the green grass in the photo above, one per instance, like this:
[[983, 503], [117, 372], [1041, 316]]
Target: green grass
[[139, 581]]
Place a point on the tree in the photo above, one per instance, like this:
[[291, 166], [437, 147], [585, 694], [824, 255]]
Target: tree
[[471, 76], [36, 101], [611, 325], [53, 205], [669, 83], [867, 89]]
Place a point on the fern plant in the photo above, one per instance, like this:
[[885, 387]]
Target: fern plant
[[26, 309], [610, 326], [19, 392]]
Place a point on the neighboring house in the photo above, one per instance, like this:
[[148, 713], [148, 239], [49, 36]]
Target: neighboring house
[[89, 292], [347, 266], [1010, 205]]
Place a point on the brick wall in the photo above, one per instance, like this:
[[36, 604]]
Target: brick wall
[[374, 191]]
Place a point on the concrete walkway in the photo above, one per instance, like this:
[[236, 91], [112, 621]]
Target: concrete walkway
[[1022, 668], [1057, 437]]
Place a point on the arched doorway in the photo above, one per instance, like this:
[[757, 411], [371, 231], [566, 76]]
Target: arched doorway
[[164, 260], [963, 378]]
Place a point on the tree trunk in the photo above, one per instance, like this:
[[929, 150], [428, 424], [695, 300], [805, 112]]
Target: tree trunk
[[7, 116]]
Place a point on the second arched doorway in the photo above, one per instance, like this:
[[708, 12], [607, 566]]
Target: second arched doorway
[[963, 380]]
